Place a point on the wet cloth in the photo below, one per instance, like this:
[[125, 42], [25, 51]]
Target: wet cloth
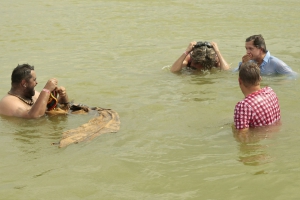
[[260, 108], [52, 101], [105, 121], [272, 65]]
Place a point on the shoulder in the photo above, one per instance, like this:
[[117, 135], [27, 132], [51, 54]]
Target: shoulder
[[242, 105], [36, 96], [5, 104], [7, 100], [280, 66], [269, 91], [248, 104], [12, 106], [276, 60]]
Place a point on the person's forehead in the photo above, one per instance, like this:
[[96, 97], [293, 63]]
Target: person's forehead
[[33, 74], [250, 43]]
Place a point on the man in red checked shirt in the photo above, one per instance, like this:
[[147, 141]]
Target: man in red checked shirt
[[260, 106], [23, 100]]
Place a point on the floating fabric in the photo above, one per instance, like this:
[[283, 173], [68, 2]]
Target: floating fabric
[[106, 121]]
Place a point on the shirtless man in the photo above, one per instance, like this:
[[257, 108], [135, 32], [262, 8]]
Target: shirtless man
[[22, 100]]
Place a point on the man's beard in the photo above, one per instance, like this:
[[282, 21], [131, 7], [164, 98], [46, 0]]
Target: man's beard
[[29, 92]]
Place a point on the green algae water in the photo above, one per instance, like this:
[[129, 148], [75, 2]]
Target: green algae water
[[176, 139]]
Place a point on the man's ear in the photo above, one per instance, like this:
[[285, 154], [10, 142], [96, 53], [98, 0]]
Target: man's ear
[[23, 83], [240, 81]]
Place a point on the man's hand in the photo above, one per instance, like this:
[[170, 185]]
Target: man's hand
[[51, 84], [61, 91], [215, 46], [246, 58], [191, 46]]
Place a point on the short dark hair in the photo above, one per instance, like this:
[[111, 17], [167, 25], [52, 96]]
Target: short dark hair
[[258, 41], [21, 72], [249, 74]]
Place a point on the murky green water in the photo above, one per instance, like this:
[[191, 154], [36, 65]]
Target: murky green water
[[175, 140]]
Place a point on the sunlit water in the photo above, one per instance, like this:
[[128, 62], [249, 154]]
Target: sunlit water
[[176, 139]]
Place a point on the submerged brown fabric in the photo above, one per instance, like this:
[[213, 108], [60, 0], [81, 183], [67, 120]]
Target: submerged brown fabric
[[106, 121]]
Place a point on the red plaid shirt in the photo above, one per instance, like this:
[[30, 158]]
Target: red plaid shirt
[[258, 109]]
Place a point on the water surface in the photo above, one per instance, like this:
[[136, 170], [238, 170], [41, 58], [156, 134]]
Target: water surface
[[176, 139]]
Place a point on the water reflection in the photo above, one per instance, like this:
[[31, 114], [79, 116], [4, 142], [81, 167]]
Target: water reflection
[[201, 87], [29, 131], [253, 146]]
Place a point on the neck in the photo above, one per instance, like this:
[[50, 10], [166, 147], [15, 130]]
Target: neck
[[260, 60], [20, 94], [249, 90]]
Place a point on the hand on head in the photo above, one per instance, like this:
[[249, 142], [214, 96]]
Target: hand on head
[[191, 46], [215, 46]]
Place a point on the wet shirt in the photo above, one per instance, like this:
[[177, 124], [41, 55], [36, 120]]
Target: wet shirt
[[260, 108], [272, 65]]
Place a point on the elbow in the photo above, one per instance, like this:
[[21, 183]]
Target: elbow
[[174, 70], [35, 115]]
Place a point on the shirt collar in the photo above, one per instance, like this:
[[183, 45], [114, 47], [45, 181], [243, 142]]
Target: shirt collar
[[265, 60], [267, 56]]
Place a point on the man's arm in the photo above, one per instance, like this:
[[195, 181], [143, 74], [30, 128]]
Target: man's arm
[[221, 61], [182, 61], [281, 67], [241, 135], [242, 115]]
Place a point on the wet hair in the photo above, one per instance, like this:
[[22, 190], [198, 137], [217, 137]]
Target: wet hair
[[204, 55], [21, 72], [258, 41], [249, 74]]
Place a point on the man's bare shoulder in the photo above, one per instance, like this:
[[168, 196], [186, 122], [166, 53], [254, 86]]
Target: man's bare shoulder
[[13, 106]]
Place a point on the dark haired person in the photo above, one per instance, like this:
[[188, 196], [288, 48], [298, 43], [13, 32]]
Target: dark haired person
[[22, 100], [257, 51], [200, 56], [260, 107]]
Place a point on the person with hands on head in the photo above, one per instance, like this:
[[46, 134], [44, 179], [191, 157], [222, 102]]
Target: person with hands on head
[[23, 100], [200, 56]]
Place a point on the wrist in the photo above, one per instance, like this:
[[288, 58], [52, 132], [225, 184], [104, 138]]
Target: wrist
[[46, 90], [186, 53]]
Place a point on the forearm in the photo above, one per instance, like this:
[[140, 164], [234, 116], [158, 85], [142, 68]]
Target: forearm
[[178, 64], [39, 107], [222, 62]]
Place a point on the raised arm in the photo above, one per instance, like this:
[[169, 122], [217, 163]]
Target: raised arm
[[221, 61], [39, 107], [183, 60]]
